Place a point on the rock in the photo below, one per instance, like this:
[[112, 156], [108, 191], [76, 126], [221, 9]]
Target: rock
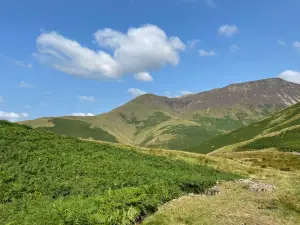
[[257, 186], [213, 191]]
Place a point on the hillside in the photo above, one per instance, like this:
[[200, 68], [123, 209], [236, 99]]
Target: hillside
[[50, 179], [181, 123], [281, 130]]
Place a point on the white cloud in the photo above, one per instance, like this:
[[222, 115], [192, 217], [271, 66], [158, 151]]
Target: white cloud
[[234, 48], [26, 85], [296, 45], [228, 30], [83, 114], [43, 104], [140, 49], [136, 92], [290, 75], [192, 43], [87, 98], [12, 116], [178, 95], [1, 99], [211, 3], [207, 53], [281, 42], [143, 76], [186, 93], [17, 62]]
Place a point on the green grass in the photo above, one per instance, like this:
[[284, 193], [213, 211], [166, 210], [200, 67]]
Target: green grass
[[51, 179], [235, 204], [233, 137], [151, 121], [187, 135], [77, 128], [288, 141], [265, 159], [273, 123], [211, 123]]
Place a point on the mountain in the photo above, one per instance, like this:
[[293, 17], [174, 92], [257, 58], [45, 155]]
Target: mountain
[[48, 179], [184, 122], [280, 131]]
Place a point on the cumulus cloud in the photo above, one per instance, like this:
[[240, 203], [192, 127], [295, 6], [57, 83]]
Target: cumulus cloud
[[1, 99], [140, 49], [178, 95], [281, 42], [296, 45], [136, 92], [290, 75], [82, 114], [186, 93], [192, 43], [228, 30], [234, 48], [143, 76], [87, 98], [207, 53], [26, 85], [12, 116]]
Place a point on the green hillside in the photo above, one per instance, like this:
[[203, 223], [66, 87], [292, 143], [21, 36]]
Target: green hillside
[[288, 141], [152, 125], [51, 179], [280, 130], [184, 122], [77, 128]]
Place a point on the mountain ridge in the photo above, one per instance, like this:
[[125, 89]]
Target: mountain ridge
[[158, 121]]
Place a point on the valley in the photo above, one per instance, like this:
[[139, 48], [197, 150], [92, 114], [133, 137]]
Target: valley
[[134, 165], [180, 123]]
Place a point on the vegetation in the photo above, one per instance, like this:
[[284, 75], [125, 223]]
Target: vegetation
[[235, 204], [282, 120], [217, 124], [76, 128], [150, 120], [288, 141], [153, 120], [265, 159], [186, 136], [51, 179], [233, 137]]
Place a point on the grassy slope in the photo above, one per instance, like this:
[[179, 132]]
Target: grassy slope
[[51, 179], [282, 120], [235, 204], [147, 121], [76, 128]]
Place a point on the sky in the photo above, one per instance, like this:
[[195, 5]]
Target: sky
[[88, 57]]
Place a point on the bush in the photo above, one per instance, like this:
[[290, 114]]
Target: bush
[[50, 179]]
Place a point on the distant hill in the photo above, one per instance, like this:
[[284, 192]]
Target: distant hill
[[50, 179], [281, 130], [181, 123]]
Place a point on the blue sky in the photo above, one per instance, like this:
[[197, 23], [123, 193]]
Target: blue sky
[[64, 57]]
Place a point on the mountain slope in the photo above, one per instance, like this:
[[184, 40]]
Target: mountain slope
[[50, 179], [281, 130], [180, 123]]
